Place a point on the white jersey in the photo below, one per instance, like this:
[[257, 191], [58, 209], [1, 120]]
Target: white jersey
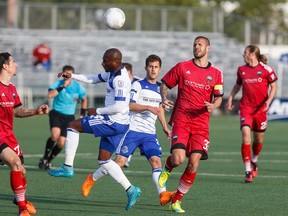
[[144, 93], [118, 85]]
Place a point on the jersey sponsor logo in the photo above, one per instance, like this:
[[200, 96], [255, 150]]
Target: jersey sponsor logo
[[272, 76], [194, 84], [7, 104], [250, 81]]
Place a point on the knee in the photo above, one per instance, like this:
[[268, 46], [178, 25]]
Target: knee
[[177, 160]]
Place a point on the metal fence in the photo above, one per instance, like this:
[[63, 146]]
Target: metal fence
[[83, 16]]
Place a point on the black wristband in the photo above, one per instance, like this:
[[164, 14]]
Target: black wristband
[[60, 88], [83, 112]]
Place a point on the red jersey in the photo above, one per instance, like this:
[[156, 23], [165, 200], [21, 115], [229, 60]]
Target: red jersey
[[196, 85], [42, 53], [9, 99], [255, 84]]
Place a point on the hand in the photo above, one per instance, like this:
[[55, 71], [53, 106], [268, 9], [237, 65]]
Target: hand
[[167, 105], [210, 107], [64, 74], [167, 132], [266, 108], [43, 109], [229, 105], [91, 111]]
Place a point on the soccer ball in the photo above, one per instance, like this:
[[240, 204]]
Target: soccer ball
[[114, 18]]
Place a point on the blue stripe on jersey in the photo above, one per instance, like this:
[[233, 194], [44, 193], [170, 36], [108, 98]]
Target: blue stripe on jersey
[[100, 78], [147, 85], [120, 98]]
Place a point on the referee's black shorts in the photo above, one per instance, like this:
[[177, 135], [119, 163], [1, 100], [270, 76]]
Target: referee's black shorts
[[60, 120]]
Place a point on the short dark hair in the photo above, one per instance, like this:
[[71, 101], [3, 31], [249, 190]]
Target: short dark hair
[[203, 37], [68, 67], [128, 66], [4, 58], [153, 58]]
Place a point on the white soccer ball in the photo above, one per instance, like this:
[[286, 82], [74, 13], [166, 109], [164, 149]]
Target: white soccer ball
[[114, 18]]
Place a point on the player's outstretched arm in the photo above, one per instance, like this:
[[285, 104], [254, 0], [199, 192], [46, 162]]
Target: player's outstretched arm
[[22, 112]]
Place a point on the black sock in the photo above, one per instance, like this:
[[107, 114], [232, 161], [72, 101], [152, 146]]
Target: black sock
[[49, 146], [56, 150]]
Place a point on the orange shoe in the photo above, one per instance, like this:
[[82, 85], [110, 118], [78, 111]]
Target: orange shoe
[[31, 208], [166, 196], [24, 213], [87, 185]]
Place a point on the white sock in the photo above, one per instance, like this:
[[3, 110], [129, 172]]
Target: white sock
[[115, 172], [155, 175], [99, 173], [71, 145], [247, 166]]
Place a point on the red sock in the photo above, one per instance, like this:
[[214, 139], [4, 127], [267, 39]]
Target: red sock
[[168, 164], [185, 183], [256, 148], [246, 152], [18, 188]]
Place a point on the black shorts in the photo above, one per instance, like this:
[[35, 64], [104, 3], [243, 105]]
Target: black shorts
[[59, 120], [2, 147]]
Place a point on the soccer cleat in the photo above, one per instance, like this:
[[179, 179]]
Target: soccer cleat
[[24, 213], [133, 193], [163, 177], [87, 185], [248, 177], [176, 207], [166, 196], [44, 165], [63, 171], [30, 207], [254, 169]]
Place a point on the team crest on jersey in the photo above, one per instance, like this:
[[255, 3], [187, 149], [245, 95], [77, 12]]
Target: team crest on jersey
[[14, 95], [259, 73], [175, 138], [120, 83], [124, 149], [209, 79]]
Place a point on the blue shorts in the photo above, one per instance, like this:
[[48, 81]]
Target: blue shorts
[[147, 143], [102, 126]]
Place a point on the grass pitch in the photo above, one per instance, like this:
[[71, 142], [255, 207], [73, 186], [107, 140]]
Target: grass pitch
[[219, 187]]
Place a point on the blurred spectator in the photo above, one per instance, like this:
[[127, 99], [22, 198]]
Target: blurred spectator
[[42, 56]]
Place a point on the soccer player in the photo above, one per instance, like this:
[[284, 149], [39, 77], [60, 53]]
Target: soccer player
[[65, 94], [200, 91], [10, 151], [110, 122], [255, 78], [144, 109]]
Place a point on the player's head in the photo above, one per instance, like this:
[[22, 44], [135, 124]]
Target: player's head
[[8, 63], [201, 47], [68, 69], [253, 51], [112, 60], [153, 65]]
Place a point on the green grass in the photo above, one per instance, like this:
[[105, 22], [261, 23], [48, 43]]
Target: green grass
[[218, 189]]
